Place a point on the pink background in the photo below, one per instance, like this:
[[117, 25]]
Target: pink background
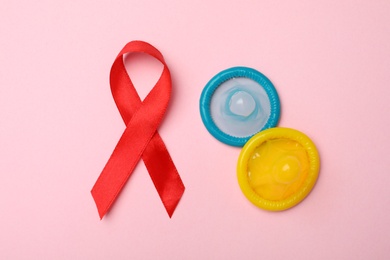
[[329, 61]]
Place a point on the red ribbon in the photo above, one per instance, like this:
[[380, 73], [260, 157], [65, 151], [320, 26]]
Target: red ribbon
[[140, 138]]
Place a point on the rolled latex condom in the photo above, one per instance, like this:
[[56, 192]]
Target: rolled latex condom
[[238, 103], [277, 168]]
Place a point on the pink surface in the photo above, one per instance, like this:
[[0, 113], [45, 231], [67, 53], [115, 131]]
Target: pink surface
[[58, 126]]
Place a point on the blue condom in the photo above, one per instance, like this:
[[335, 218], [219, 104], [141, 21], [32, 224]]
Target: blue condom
[[238, 103]]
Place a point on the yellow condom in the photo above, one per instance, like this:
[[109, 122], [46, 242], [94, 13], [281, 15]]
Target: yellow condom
[[277, 168]]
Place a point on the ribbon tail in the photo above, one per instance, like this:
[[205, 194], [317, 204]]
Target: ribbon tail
[[121, 164], [100, 204], [163, 173]]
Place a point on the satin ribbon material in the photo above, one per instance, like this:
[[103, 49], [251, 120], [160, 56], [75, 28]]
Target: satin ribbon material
[[140, 138]]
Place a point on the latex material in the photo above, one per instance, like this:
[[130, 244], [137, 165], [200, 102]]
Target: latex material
[[277, 168], [240, 107], [237, 103]]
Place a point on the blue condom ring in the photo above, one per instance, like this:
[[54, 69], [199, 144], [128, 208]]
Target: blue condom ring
[[237, 103]]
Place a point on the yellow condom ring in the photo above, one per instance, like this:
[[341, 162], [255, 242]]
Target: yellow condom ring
[[277, 168]]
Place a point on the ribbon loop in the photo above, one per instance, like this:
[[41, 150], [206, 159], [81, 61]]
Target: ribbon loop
[[140, 138]]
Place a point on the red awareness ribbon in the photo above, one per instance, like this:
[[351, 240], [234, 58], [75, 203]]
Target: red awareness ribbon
[[140, 138]]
